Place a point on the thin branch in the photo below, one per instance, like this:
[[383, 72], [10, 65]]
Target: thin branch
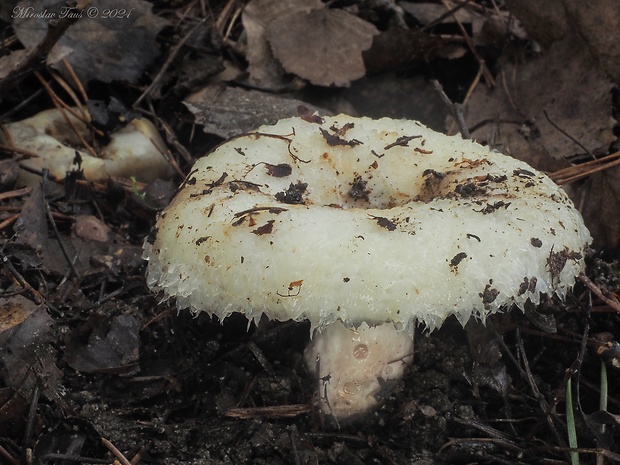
[[611, 300], [583, 170], [456, 109], [485, 71], [168, 63]]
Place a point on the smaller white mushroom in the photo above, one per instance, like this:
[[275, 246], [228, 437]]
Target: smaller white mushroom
[[363, 227], [135, 150]]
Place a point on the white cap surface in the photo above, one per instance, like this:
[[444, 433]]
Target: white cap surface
[[364, 221]]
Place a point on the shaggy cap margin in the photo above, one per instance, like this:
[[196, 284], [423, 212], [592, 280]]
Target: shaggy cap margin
[[364, 221]]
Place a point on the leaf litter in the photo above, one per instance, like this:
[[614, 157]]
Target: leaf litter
[[108, 47], [87, 352]]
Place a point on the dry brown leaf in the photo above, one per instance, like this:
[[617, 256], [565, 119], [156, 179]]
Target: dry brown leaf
[[230, 111], [323, 46], [98, 46], [265, 71], [14, 311], [566, 84], [598, 25], [594, 23], [599, 198], [11, 62], [26, 355]]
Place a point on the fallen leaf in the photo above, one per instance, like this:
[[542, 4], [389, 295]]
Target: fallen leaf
[[31, 226], [545, 25], [14, 311], [11, 63], [568, 17], [323, 46], [599, 198], [265, 71], [105, 344], [26, 355], [9, 171], [564, 83], [114, 40], [230, 111]]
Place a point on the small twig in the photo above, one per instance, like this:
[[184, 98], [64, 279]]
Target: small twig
[[485, 71], [127, 287], [23, 104], [138, 457], [578, 363], [511, 100], [32, 411], [40, 173], [61, 244], [172, 139], [542, 402], [456, 109], [117, 453], [583, 170], [67, 88], [168, 62], [18, 151], [76, 80], [63, 108], [474, 83], [611, 301], [448, 13], [9, 221], [495, 121], [568, 135], [278, 411], [38, 298], [231, 23], [223, 18], [72, 458], [261, 358], [15, 193], [7, 456]]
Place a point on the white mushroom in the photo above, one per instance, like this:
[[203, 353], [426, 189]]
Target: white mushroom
[[363, 227], [134, 150]]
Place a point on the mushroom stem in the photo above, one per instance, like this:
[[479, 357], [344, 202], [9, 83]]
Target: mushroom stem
[[353, 366]]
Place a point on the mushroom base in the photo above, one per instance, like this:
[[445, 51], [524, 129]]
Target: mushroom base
[[354, 366]]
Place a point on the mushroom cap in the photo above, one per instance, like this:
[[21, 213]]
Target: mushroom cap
[[364, 221]]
